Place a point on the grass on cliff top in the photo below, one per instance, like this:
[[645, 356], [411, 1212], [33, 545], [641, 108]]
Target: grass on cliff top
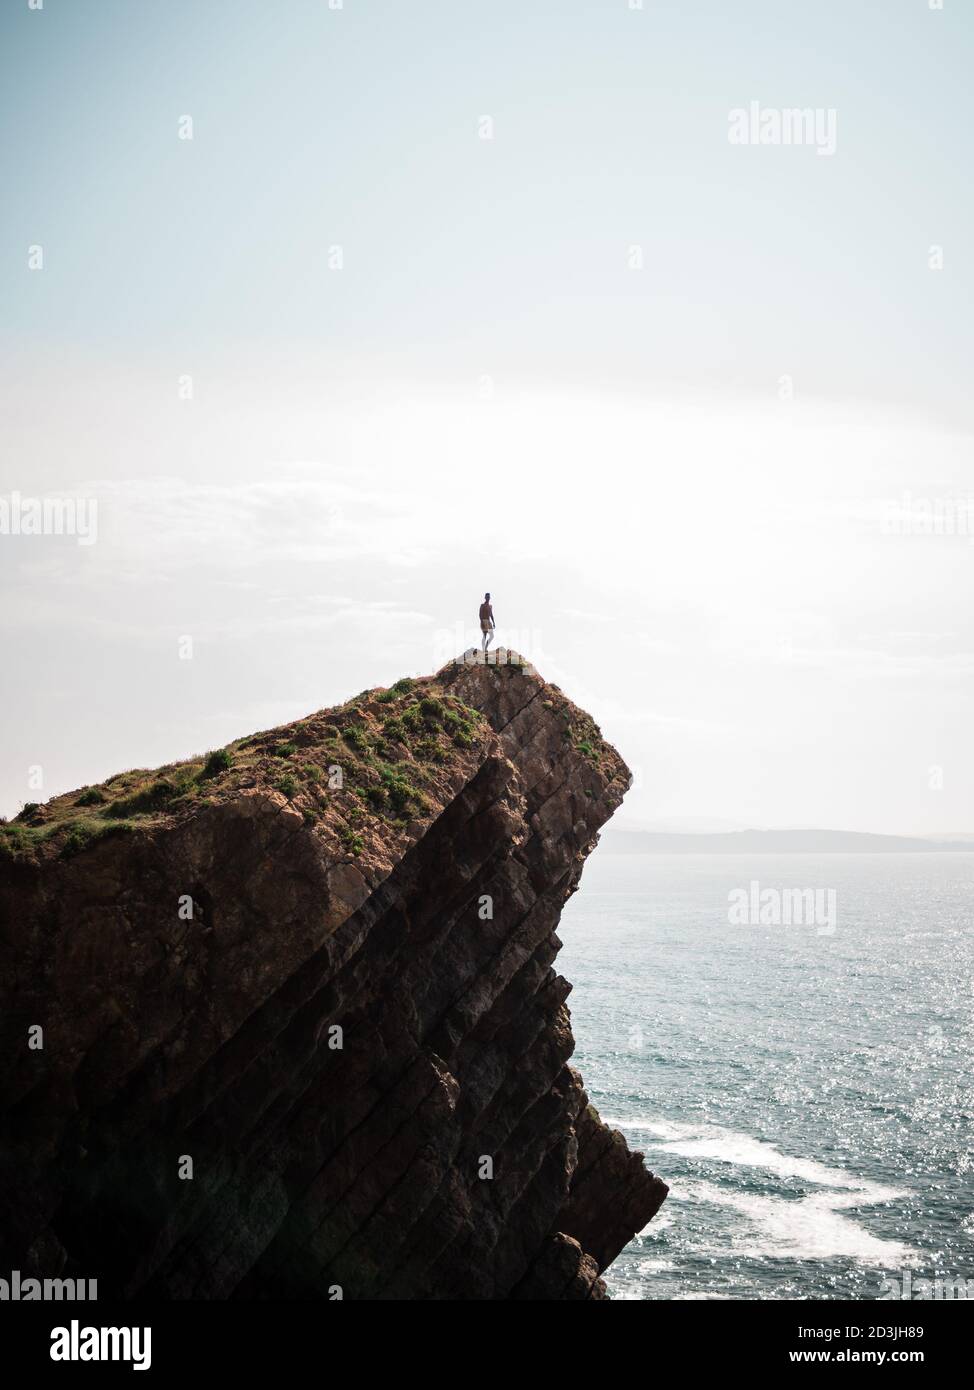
[[372, 761], [578, 728]]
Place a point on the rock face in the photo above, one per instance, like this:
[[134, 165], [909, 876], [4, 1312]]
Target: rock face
[[356, 1044]]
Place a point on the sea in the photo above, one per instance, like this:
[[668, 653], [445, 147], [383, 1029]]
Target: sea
[[805, 1088]]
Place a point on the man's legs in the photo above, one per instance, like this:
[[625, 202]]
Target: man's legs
[[487, 637]]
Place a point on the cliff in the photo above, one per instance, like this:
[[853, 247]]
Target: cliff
[[301, 1032]]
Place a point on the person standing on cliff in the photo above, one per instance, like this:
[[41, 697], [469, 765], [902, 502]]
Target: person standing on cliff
[[486, 621]]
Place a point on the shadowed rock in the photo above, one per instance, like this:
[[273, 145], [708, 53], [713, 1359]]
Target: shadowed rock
[[337, 1001]]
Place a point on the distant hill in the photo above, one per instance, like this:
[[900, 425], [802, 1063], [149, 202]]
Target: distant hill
[[772, 842]]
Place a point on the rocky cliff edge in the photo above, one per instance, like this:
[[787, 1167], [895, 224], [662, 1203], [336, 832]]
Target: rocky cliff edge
[[301, 1032]]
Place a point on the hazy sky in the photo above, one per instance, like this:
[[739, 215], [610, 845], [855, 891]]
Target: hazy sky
[[424, 363]]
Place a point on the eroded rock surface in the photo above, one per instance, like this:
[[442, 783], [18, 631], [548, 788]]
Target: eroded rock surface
[[408, 914]]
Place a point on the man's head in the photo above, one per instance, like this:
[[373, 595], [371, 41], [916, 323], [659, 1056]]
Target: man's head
[[486, 598]]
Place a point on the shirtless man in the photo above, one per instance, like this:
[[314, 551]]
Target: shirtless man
[[486, 621]]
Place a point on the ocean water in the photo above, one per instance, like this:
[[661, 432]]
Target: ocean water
[[807, 1096]]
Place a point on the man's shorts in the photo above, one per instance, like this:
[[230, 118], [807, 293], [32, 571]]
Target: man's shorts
[[485, 627]]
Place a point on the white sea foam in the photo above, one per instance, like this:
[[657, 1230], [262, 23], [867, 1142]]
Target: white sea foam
[[726, 1146], [806, 1228], [660, 1128], [801, 1228]]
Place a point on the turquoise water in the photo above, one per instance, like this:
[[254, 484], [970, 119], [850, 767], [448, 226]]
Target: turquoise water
[[807, 1096]]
